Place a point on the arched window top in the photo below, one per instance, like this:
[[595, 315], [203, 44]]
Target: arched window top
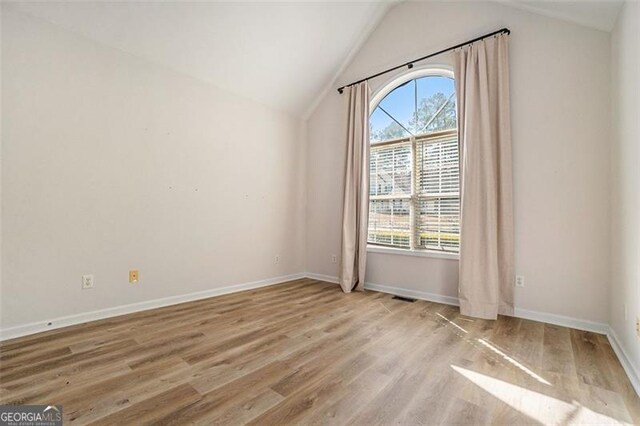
[[414, 196], [424, 103]]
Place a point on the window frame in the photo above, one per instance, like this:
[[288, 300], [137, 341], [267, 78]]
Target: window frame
[[385, 89]]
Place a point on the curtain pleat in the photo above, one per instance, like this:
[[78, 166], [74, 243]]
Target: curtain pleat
[[486, 185], [355, 214]]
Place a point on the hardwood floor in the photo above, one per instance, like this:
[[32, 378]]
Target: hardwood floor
[[304, 352]]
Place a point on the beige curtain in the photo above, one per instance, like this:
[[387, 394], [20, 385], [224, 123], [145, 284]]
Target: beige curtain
[[355, 213], [486, 211]]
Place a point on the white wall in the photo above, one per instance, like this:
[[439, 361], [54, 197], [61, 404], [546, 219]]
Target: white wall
[[625, 235], [110, 163], [560, 119], [102, 154]]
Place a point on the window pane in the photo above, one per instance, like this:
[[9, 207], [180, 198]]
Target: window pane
[[417, 179], [390, 170], [438, 168], [399, 104], [439, 223], [383, 128], [389, 222], [436, 104]]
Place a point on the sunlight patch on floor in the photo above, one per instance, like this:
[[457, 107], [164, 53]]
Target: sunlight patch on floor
[[452, 323], [537, 406], [513, 362]]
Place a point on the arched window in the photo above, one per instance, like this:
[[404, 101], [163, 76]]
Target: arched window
[[414, 168]]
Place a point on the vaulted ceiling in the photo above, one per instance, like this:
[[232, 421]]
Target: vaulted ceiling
[[598, 14], [280, 54]]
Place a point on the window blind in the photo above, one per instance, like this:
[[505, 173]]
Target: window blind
[[390, 194], [438, 193], [414, 193]]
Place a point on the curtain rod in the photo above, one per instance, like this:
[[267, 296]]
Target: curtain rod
[[410, 63]]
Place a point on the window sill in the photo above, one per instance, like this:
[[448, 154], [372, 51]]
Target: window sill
[[414, 253]]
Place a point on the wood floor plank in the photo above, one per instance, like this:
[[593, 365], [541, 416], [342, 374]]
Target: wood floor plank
[[557, 352], [462, 412], [245, 411], [591, 364], [303, 352], [221, 398], [147, 411], [313, 393]]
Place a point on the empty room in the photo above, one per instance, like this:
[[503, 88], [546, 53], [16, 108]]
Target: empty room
[[320, 212]]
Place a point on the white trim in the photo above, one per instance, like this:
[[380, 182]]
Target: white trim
[[629, 368], [416, 253], [414, 294], [40, 326], [577, 323], [426, 70], [321, 277], [564, 321]]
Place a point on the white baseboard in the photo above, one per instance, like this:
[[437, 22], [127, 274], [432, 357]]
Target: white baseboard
[[577, 323], [629, 368], [52, 324], [397, 291], [321, 277]]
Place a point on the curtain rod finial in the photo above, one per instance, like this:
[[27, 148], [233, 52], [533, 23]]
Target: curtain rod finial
[[340, 90], [409, 66]]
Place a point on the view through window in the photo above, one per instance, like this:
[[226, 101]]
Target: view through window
[[414, 167]]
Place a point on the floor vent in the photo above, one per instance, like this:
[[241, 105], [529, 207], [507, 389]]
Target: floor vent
[[404, 299]]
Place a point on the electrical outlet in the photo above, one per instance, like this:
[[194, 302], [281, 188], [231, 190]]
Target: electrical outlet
[[276, 259], [519, 280], [334, 258], [87, 282], [134, 276], [638, 326]]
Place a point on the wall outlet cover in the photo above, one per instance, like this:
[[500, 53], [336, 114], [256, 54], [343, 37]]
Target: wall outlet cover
[[87, 281]]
